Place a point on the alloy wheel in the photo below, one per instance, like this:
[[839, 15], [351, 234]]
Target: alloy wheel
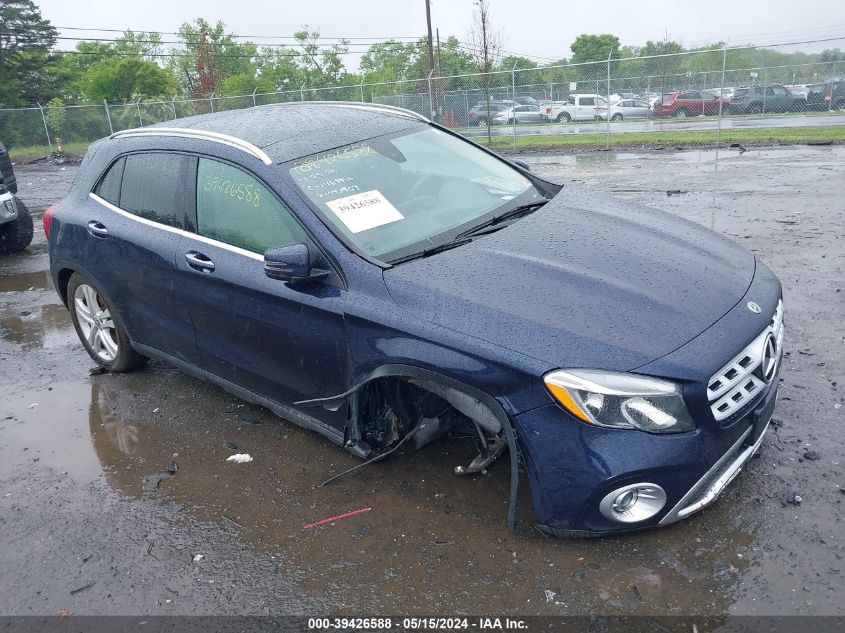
[[95, 322]]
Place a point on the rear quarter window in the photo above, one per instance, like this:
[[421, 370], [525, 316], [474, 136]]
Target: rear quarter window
[[109, 187], [159, 186]]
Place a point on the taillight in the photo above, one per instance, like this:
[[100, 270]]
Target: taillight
[[548, 109], [47, 219]]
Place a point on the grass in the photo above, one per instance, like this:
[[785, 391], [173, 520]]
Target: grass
[[679, 138], [593, 140], [23, 154]]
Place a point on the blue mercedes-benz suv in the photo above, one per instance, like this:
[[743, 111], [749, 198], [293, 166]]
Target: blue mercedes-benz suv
[[381, 280]]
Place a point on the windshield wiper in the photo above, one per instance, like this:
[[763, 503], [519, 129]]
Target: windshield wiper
[[458, 241], [516, 212]]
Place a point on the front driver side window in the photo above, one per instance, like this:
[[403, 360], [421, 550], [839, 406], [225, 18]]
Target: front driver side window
[[235, 208]]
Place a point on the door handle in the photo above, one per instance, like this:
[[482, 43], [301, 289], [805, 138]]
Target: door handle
[[97, 229], [199, 262]]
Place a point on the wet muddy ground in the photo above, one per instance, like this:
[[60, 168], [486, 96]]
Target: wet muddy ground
[[80, 530]]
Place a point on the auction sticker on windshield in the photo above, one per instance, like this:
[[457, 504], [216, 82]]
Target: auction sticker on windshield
[[364, 211]]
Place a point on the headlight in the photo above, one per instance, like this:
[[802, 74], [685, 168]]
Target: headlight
[[619, 400]]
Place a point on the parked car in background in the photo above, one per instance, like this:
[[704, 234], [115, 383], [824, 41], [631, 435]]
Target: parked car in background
[[481, 115], [15, 219], [520, 114], [585, 107], [619, 96], [826, 96], [381, 280], [688, 103], [799, 89], [651, 97], [772, 98], [630, 109]]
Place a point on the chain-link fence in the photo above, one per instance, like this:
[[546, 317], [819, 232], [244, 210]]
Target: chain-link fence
[[788, 92]]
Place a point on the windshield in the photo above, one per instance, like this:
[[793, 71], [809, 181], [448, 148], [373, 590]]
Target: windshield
[[396, 195]]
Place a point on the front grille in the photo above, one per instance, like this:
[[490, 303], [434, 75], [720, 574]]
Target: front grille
[[737, 383]]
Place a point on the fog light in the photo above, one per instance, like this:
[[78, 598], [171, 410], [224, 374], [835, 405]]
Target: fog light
[[633, 503]]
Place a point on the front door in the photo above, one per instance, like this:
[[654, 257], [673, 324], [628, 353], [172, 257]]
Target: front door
[[282, 342]]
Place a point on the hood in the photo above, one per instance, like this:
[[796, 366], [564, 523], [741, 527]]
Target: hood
[[585, 281]]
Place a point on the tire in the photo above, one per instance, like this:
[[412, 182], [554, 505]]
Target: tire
[[100, 329], [755, 108], [617, 117], [563, 117], [513, 122], [680, 114], [16, 236], [839, 105], [482, 122]]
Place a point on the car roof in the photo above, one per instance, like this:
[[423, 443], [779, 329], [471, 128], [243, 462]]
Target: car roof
[[287, 131]]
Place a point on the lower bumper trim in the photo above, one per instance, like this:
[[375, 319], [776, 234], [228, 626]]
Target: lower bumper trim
[[716, 479]]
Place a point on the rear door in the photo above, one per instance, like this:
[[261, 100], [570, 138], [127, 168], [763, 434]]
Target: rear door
[[781, 99], [134, 220], [690, 102], [281, 342]]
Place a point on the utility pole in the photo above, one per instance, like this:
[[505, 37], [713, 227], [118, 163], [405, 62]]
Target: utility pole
[[439, 58], [430, 39], [439, 84]]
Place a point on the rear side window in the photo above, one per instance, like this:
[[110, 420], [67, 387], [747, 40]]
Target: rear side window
[[585, 101], [109, 187], [158, 186], [233, 207]]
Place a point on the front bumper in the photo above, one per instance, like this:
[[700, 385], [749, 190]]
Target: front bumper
[[572, 466], [8, 208]]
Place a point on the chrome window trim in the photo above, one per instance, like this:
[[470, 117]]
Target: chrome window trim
[[172, 229], [204, 135]]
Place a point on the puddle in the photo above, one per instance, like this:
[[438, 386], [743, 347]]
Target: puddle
[[46, 327], [26, 281], [430, 538]]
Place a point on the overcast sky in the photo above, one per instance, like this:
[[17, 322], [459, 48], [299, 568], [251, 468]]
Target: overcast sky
[[543, 29]]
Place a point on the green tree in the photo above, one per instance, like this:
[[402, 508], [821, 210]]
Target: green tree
[[320, 66], [25, 40], [594, 48], [210, 55], [389, 61], [68, 73], [127, 78]]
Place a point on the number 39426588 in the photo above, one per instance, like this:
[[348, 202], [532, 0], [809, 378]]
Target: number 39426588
[[248, 192]]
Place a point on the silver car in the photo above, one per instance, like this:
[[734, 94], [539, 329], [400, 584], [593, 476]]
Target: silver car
[[527, 113], [630, 109]]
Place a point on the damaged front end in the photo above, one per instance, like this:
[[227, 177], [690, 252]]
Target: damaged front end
[[388, 410]]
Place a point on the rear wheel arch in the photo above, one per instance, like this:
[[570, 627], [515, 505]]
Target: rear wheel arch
[[63, 279]]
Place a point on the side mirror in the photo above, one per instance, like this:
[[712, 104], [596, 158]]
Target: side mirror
[[292, 263], [522, 164]]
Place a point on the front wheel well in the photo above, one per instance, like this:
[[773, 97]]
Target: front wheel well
[[378, 402]]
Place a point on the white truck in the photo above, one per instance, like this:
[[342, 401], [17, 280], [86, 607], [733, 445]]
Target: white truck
[[580, 107]]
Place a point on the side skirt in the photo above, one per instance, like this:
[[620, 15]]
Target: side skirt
[[282, 410]]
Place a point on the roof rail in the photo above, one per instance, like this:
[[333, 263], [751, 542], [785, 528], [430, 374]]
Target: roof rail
[[358, 105], [217, 137]]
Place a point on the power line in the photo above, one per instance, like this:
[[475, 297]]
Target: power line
[[265, 37], [212, 42]]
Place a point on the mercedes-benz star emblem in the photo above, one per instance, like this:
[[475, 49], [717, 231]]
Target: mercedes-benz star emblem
[[769, 362], [754, 307]]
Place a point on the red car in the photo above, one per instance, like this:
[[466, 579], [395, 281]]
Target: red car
[[688, 103]]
